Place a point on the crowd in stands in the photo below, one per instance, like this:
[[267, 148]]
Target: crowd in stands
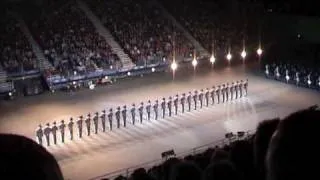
[[71, 42], [208, 23], [16, 52], [142, 30], [279, 149]]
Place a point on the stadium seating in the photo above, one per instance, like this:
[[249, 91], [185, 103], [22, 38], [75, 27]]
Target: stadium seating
[[142, 30]]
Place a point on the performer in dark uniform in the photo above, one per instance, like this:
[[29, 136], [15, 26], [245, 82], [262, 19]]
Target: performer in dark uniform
[[245, 85], [297, 78], [231, 90], [47, 132], [148, 108], [79, 123], [88, 124], [62, 128], [189, 101], [133, 113], [223, 92], [110, 118], [227, 91], [70, 126], [236, 88], [201, 97], [218, 90], [175, 103], [169, 105], [212, 94], [241, 88], [39, 134], [141, 112], [163, 107], [182, 101], [96, 122], [207, 97], [155, 108], [54, 130], [124, 116], [195, 99], [118, 117], [103, 120]]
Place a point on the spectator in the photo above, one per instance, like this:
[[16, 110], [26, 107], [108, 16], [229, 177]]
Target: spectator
[[22, 158], [293, 151], [262, 138], [221, 170], [185, 170]]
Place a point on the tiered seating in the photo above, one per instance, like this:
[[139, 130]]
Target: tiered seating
[[16, 52], [141, 29], [71, 42]]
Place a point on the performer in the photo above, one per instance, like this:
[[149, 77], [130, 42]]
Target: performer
[[276, 72], [47, 132], [124, 116], [175, 104], [95, 122], [163, 107], [245, 85], [79, 123], [118, 117], [207, 97], [54, 130], [155, 108], [141, 112], [201, 97], [148, 108], [236, 86], [182, 101], [227, 91], [169, 105], [39, 134], [287, 76], [103, 120], [70, 126], [88, 124], [231, 90], [189, 101], [241, 88], [195, 99], [133, 113], [218, 90], [212, 93], [297, 78], [62, 130], [110, 118]]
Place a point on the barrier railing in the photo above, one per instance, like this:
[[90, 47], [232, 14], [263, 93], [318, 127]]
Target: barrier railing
[[147, 165]]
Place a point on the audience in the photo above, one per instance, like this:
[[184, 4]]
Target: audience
[[16, 52], [22, 158]]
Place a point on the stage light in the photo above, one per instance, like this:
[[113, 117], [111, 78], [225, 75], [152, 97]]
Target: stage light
[[10, 94], [229, 56], [74, 72], [174, 65], [212, 59], [259, 51], [74, 83], [111, 67], [194, 62], [106, 77], [91, 86], [153, 69], [129, 73], [243, 54]]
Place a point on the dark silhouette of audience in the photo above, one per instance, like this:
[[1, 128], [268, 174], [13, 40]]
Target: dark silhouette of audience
[[22, 158]]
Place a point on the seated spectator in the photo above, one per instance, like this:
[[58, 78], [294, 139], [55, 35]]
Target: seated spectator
[[262, 138], [219, 155], [185, 170], [294, 149], [221, 170], [166, 167], [140, 174], [22, 158]]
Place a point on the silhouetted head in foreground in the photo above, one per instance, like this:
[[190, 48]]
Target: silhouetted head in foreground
[[22, 158], [185, 170], [294, 148]]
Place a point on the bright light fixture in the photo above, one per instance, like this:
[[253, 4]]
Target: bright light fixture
[[194, 62], [212, 59], [243, 54], [229, 56], [174, 66], [259, 51]]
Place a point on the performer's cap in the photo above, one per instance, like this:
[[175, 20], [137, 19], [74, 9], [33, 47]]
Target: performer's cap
[[103, 111], [48, 124], [62, 121]]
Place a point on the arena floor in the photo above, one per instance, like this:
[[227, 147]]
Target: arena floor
[[108, 152]]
